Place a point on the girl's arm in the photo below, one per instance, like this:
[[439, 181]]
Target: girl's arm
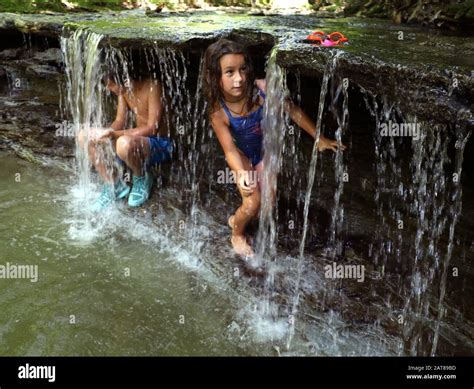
[[305, 122], [232, 154]]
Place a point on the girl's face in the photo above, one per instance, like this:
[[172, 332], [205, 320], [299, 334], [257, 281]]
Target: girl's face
[[234, 76]]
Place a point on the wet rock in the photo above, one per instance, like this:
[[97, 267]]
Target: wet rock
[[30, 122], [153, 12], [404, 71], [51, 56], [256, 12], [431, 89], [43, 70], [10, 54]]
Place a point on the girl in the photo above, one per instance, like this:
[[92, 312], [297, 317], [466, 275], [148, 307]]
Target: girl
[[235, 101]]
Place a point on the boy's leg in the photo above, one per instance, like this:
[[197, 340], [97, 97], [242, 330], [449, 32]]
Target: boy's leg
[[101, 156], [139, 153], [134, 151]]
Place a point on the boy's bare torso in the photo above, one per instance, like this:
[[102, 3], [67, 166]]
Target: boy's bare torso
[[137, 101]]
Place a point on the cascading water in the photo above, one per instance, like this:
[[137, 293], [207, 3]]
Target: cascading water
[[342, 117], [188, 117], [274, 125], [266, 312], [328, 72], [414, 217], [85, 60], [412, 257], [173, 74], [454, 213], [81, 55]]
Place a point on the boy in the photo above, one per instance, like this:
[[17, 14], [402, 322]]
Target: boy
[[139, 147]]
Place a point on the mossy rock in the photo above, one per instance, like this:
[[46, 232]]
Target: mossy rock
[[463, 11]]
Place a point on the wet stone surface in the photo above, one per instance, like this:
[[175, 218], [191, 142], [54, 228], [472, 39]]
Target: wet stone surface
[[402, 63]]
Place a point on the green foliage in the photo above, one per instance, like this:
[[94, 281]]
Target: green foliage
[[21, 6], [447, 13], [463, 10], [30, 5], [226, 3]]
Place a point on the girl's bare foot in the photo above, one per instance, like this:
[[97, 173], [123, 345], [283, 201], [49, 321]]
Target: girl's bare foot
[[241, 247], [239, 242]]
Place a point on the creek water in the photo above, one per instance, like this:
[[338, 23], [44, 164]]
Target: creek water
[[119, 289]]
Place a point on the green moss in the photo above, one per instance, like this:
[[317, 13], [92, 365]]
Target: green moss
[[31, 6], [37, 6], [464, 10]]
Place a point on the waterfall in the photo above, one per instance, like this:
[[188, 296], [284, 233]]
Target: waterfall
[[186, 114], [454, 213], [177, 104], [81, 55], [328, 72], [418, 202], [274, 125], [417, 196], [342, 117]]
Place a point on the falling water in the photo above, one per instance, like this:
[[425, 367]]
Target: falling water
[[328, 72], [173, 73], [454, 213], [81, 54], [265, 317], [86, 59], [199, 147], [417, 203], [274, 125], [188, 116], [342, 118]]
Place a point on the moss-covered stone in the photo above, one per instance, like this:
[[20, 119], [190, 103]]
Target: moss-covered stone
[[405, 64]]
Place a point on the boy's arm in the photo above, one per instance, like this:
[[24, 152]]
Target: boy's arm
[[121, 116], [155, 109], [100, 135]]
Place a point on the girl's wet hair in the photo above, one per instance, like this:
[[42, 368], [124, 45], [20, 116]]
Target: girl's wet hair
[[212, 72]]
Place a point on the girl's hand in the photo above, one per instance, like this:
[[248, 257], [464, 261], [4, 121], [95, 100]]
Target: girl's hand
[[262, 85], [244, 183], [326, 143]]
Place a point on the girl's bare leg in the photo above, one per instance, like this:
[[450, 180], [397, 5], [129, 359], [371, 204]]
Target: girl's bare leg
[[261, 183], [246, 212]]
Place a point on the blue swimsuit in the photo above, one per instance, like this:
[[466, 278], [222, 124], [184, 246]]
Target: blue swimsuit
[[247, 132]]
